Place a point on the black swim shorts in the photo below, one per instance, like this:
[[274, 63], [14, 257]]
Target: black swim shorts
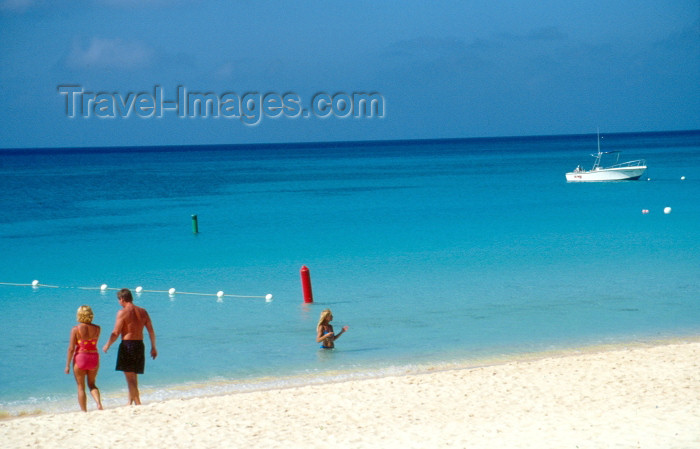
[[132, 356]]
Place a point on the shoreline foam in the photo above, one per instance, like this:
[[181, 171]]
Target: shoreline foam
[[223, 386], [643, 395]]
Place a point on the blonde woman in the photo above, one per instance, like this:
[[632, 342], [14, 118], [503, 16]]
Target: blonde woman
[[82, 353], [324, 330]]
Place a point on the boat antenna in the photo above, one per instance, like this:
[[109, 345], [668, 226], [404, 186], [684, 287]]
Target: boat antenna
[[598, 156]]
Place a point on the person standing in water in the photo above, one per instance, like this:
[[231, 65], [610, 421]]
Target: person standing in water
[[83, 355], [131, 357], [324, 331]]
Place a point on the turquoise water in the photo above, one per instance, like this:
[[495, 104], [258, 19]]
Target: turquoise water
[[432, 252]]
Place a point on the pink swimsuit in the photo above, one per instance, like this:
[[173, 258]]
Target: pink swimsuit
[[87, 357]]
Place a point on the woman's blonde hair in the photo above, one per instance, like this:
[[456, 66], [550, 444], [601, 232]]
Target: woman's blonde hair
[[84, 314], [324, 317]]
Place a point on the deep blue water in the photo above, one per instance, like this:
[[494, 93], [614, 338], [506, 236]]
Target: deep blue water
[[433, 252]]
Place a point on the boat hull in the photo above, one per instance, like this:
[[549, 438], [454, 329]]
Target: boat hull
[[607, 174]]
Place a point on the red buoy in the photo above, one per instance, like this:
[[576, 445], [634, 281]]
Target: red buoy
[[306, 285]]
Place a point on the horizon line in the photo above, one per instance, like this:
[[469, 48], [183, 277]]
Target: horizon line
[[338, 143]]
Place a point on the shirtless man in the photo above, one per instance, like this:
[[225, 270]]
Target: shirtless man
[[131, 358]]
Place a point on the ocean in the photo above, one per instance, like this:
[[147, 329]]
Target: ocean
[[434, 253]]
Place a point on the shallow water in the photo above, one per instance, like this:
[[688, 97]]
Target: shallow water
[[432, 252]]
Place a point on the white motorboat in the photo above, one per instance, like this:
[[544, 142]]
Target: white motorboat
[[625, 171]]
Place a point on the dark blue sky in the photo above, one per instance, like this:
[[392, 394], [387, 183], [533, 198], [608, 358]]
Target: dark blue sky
[[441, 69]]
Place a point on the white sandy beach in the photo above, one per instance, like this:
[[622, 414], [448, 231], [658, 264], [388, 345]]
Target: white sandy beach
[[641, 397]]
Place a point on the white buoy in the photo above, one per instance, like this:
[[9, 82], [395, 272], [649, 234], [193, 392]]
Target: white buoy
[[171, 291], [219, 294], [648, 179], [35, 283], [103, 287], [268, 297], [667, 210], [682, 178], [139, 289]]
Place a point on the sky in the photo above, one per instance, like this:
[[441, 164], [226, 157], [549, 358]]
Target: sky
[[104, 73]]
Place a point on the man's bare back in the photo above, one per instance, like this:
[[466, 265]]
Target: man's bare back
[[131, 321]]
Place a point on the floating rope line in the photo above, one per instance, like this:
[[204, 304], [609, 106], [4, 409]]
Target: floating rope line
[[172, 292], [33, 284]]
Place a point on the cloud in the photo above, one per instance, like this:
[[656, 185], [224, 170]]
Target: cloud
[[550, 33], [16, 5], [130, 4], [100, 54], [22, 6], [683, 38], [547, 34], [430, 48], [427, 46]]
